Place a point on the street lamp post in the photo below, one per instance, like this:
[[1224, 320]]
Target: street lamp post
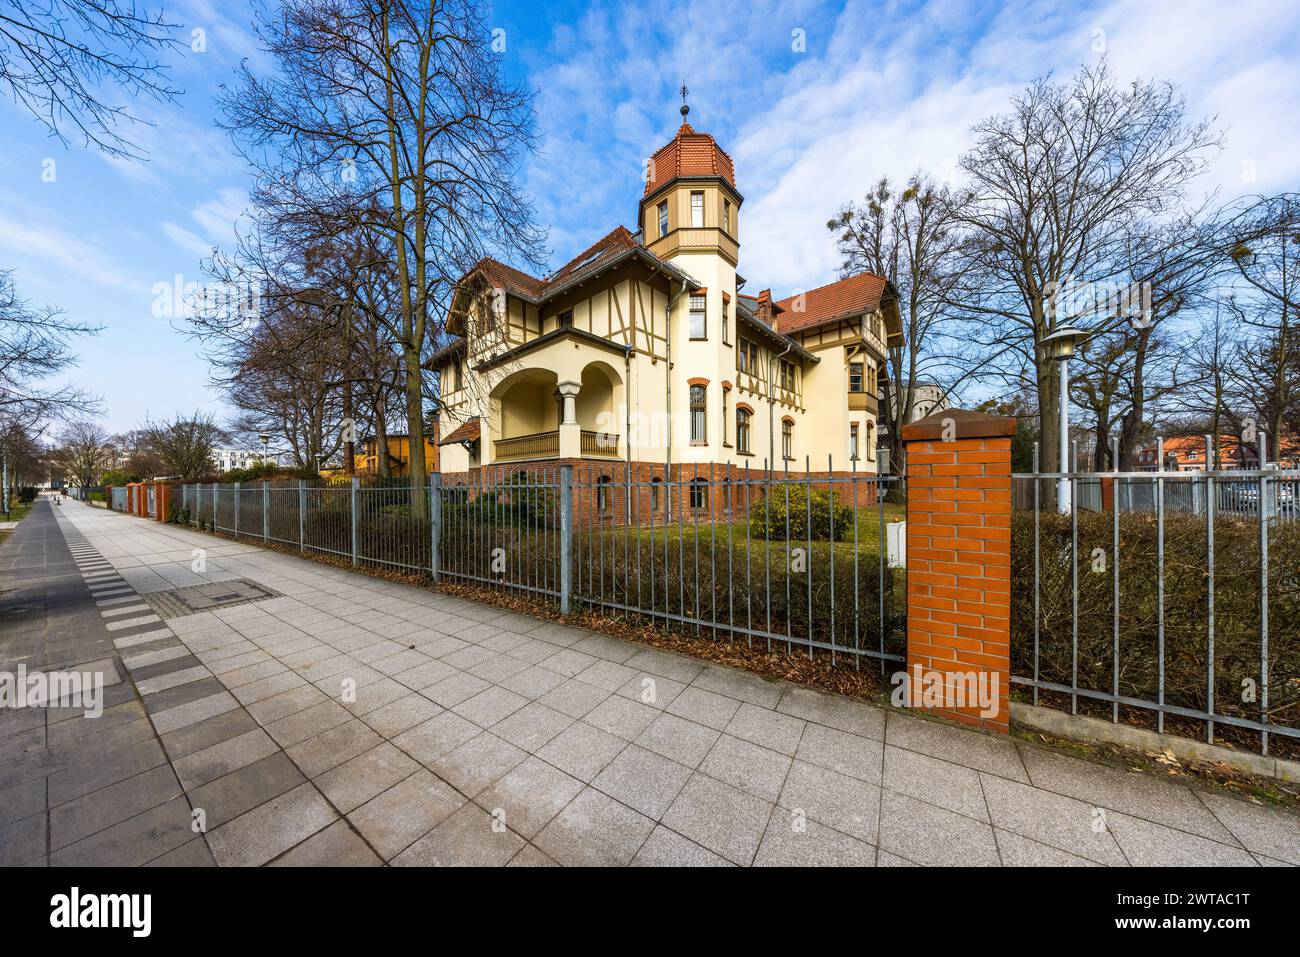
[[264, 439], [1060, 346]]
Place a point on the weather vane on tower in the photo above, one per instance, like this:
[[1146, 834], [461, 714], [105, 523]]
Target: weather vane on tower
[[684, 91]]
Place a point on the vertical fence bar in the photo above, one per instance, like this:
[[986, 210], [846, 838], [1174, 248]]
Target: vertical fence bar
[[237, 490], [884, 550], [857, 611], [1263, 591], [1160, 581], [435, 523], [352, 511], [266, 511], [302, 515], [1037, 562], [807, 555], [214, 506], [1073, 465], [830, 483], [1209, 587], [1114, 561], [566, 538]]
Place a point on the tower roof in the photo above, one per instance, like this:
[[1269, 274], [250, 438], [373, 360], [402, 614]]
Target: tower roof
[[689, 154]]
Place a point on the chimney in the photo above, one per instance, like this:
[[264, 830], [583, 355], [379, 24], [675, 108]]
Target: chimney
[[765, 306]]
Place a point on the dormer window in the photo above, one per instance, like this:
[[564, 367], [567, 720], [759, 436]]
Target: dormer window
[[663, 218], [697, 209], [564, 319]]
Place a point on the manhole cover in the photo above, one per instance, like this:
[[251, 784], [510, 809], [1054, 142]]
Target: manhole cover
[[199, 598]]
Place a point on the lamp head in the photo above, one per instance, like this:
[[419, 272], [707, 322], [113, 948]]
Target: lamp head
[[1061, 343]]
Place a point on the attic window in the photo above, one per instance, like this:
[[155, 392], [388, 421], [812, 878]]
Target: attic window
[[586, 262], [564, 319]]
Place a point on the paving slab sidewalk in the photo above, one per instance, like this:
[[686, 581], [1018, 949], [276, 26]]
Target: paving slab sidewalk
[[353, 720]]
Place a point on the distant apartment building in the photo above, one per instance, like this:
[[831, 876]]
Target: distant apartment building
[[227, 459]]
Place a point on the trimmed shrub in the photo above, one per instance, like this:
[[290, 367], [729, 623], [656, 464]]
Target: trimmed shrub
[[789, 513]]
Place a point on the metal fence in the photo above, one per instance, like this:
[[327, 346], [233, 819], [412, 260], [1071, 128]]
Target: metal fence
[[772, 558], [1173, 593]]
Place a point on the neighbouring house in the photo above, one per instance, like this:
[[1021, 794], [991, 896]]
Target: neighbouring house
[[227, 459], [399, 456], [1187, 454], [645, 351]]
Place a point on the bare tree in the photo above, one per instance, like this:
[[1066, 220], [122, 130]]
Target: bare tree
[[1205, 390], [184, 444], [23, 461], [84, 451], [1269, 266], [139, 457], [1057, 185], [35, 345], [59, 57], [392, 119], [907, 237], [287, 385]]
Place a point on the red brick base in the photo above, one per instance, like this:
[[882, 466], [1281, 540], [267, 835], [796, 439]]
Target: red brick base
[[706, 490]]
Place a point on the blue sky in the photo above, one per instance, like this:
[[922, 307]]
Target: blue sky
[[873, 89]]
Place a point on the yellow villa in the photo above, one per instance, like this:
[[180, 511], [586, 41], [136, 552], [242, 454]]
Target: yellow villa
[[645, 351]]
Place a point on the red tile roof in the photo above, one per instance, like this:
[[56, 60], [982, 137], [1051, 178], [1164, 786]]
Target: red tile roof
[[498, 274], [465, 432], [848, 297], [616, 241], [689, 154]]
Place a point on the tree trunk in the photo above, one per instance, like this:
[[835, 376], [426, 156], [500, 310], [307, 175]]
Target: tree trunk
[[349, 447], [1049, 416], [415, 432]]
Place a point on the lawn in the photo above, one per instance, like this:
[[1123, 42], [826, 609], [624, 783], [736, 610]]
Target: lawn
[[16, 513]]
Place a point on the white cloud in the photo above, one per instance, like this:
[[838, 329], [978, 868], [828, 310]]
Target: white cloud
[[217, 219], [56, 253], [878, 92], [189, 241]]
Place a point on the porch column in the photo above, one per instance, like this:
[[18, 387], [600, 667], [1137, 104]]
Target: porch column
[[570, 430]]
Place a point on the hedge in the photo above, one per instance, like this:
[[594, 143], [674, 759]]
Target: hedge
[[1186, 590]]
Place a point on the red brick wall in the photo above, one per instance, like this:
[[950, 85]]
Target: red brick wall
[[959, 555], [722, 501]]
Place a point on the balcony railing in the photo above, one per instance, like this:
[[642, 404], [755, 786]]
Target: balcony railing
[[541, 445], [536, 446], [599, 443]]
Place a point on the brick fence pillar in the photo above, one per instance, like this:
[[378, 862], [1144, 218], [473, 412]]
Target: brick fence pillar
[[959, 565]]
